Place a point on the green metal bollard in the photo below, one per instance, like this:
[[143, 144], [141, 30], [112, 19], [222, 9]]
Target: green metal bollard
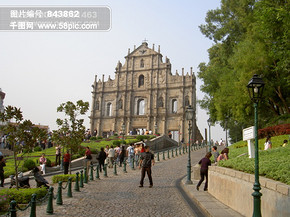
[[176, 153], [59, 194], [186, 149], [33, 206], [124, 168], [12, 208], [82, 179], [69, 193], [98, 172], [115, 169], [183, 150], [168, 157], [179, 150], [92, 172], [85, 175], [77, 187], [158, 156], [105, 171], [172, 155], [163, 155], [49, 208], [133, 162]]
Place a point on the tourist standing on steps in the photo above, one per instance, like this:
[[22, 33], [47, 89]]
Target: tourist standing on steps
[[101, 158], [111, 155], [66, 159], [122, 155], [42, 161], [130, 154], [204, 162], [146, 161], [88, 159], [215, 153], [2, 164], [57, 155]]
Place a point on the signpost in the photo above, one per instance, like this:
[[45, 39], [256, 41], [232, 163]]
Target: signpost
[[249, 135]]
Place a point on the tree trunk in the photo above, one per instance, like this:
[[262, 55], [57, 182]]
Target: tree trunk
[[16, 167]]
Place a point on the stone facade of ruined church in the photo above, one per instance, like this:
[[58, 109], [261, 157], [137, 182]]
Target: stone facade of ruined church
[[144, 95]]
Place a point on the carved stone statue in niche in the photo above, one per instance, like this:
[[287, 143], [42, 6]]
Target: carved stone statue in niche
[[97, 105], [160, 102], [186, 101], [120, 104]]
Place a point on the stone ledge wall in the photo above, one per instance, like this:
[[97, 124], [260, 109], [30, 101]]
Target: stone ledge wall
[[235, 188]]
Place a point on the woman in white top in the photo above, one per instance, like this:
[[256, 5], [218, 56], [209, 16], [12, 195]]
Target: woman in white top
[[268, 143]]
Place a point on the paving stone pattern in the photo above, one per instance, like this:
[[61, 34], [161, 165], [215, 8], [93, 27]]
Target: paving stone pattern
[[120, 195]]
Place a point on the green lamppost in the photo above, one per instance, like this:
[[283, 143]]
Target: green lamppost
[[189, 116], [155, 127], [209, 122], [255, 88]]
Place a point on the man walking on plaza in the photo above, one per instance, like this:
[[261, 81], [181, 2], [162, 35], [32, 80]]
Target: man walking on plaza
[[146, 160]]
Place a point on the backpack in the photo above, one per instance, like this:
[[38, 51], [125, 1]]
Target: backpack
[[131, 151]]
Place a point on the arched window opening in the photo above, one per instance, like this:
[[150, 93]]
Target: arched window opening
[[141, 81], [142, 63], [174, 106], [160, 102], [186, 101], [141, 107], [109, 109]]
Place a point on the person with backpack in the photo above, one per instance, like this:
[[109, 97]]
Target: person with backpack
[[130, 154], [146, 161]]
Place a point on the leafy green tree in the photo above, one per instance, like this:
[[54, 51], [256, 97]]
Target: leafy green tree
[[251, 37], [22, 134], [71, 131]]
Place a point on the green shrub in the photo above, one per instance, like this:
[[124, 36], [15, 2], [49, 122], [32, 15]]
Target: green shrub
[[82, 151], [123, 142], [63, 178], [93, 138], [142, 137], [116, 142], [29, 164], [99, 137], [94, 151], [115, 134], [48, 162], [37, 149], [23, 195]]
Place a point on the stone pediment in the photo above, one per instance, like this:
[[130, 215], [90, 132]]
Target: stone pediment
[[142, 50]]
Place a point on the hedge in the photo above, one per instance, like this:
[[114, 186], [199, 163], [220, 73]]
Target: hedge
[[63, 178], [23, 195], [277, 130]]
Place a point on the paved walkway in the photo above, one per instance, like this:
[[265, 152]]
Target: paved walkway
[[120, 195]]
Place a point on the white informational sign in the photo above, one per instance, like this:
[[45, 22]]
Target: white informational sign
[[249, 135]]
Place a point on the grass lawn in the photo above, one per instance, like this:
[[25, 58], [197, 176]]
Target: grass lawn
[[273, 164], [94, 145]]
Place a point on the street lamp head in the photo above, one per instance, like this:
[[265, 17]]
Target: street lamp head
[[189, 113], [209, 122], [255, 88]]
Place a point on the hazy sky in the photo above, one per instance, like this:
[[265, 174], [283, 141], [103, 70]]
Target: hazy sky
[[40, 70]]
